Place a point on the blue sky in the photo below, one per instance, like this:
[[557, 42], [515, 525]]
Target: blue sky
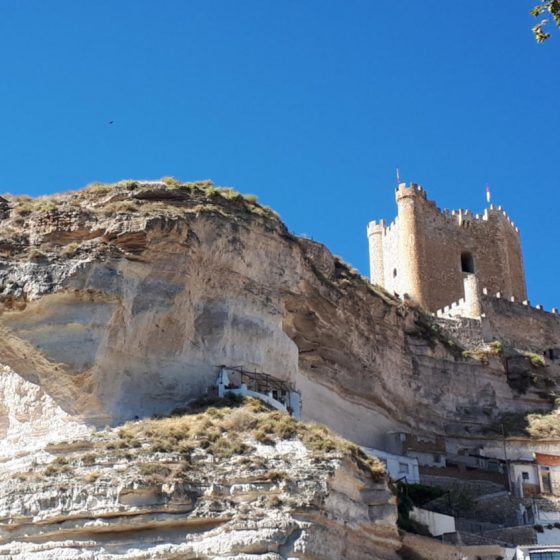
[[310, 104]]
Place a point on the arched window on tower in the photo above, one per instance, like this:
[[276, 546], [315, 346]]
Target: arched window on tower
[[467, 262]]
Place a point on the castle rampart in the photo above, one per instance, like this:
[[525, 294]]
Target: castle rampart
[[521, 325], [516, 323], [426, 252]]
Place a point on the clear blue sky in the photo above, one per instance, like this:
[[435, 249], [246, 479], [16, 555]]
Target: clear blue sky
[[310, 104]]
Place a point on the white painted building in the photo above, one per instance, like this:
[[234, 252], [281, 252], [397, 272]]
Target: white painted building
[[524, 478], [280, 397], [398, 466], [538, 552], [437, 523], [540, 475]]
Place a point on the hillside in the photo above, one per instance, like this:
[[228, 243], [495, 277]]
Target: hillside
[[238, 482], [122, 300], [118, 304]]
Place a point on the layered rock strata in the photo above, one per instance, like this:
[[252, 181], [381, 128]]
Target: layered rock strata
[[179, 488], [122, 301]]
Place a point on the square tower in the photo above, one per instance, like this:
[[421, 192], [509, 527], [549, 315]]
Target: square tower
[[428, 254]]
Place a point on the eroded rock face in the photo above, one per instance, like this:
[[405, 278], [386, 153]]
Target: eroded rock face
[[122, 303], [113, 496]]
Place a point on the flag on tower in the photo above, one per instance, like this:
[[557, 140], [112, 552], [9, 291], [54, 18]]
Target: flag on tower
[[488, 194], [398, 177]]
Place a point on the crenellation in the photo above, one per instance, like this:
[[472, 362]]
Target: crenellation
[[425, 250], [391, 227], [456, 214], [465, 308], [462, 266]]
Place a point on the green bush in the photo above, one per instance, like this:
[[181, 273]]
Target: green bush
[[536, 359]]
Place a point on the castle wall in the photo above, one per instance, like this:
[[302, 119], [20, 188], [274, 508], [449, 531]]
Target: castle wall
[[420, 253], [515, 323], [520, 325]]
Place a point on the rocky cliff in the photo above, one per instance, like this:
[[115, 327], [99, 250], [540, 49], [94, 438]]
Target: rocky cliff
[[121, 301], [238, 483]]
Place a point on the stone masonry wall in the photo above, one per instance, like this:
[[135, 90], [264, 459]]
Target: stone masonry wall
[[425, 262], [520, 325]]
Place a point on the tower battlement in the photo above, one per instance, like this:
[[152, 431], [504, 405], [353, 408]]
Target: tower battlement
[[461, 216], [425, 252], [413, 189]]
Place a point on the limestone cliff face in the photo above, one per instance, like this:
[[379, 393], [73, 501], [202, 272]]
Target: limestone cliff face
[[178, 488], [120, 302]]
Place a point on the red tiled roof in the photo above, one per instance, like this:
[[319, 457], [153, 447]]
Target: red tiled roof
[[549, 460]]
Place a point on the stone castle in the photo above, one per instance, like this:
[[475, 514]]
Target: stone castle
[[457, 264], [428, 254]]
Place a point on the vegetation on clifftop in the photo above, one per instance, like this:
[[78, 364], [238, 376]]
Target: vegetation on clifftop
[[141, 196], [213, 430]]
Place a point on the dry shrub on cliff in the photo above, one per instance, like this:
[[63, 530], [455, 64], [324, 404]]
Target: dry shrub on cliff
[[58, 466], [69, 446], [97, 188], [88, 458], [225, 447], [544, 425], [171, 182], [224, 431], [92, 477], [536, 425], [483, 354], [240, 420]]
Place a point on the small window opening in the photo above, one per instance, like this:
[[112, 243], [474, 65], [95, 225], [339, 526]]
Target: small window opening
[[394, 272], [403, 468], [467, 263]]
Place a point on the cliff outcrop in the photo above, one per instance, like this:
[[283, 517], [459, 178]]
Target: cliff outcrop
[[121, 301], [239, 483]]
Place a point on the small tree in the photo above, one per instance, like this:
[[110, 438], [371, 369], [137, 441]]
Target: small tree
[[545, 8]]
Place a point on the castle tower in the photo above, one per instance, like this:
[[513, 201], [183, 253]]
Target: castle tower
[[473, 304], [436, 257], [410, 244]]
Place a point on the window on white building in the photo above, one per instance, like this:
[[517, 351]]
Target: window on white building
[[545, 555]]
